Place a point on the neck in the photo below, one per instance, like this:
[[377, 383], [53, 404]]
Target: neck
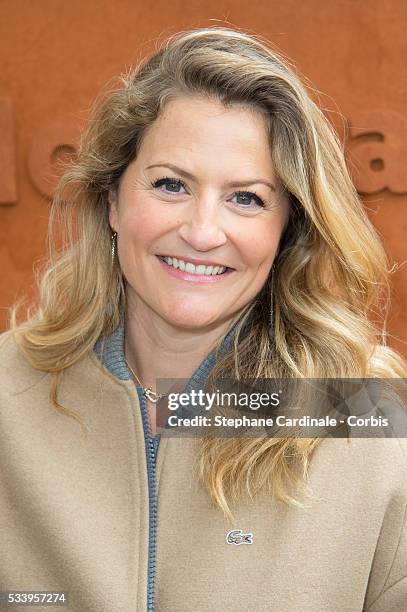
[[154, 349]]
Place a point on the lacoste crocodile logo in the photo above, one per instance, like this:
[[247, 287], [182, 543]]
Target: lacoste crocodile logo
[[238, 537]]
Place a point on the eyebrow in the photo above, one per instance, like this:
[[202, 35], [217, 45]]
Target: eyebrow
[[191, 177]]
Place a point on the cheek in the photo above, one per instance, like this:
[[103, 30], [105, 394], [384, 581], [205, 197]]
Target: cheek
[[143, 225], [259, 245]]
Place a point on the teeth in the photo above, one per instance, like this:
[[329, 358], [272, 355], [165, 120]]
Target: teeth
[[186, 266]]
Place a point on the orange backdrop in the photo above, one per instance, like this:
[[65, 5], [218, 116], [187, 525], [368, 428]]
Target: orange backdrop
[[56, 55]]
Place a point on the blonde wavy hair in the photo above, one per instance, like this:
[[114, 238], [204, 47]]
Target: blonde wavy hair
[[331, 275]]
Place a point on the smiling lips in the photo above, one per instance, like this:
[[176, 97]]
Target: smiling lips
[[189, 271], [200, 268]]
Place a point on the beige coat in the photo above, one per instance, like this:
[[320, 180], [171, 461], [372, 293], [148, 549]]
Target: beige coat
[[74, 513]]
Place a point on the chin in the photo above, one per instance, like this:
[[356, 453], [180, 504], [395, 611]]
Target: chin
[[191, 320]]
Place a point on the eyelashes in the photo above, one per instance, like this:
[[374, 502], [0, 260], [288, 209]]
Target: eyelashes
[[179, 183]]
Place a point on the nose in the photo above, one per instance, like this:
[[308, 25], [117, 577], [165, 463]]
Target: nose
[[203, 230]]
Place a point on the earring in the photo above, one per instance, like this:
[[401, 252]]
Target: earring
[[271, 317], [114, 244]]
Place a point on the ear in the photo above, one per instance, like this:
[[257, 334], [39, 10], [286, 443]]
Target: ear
[[113, 211]]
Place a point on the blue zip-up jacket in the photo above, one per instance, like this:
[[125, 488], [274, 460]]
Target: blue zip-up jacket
[[110, 351]]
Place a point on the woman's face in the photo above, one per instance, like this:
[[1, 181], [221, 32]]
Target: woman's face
[[181, 221]]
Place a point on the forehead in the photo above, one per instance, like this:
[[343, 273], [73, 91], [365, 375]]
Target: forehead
[[198, 130], [208, 118]]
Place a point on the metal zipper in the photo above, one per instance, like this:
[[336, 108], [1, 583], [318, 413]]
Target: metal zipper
[[152, 501]]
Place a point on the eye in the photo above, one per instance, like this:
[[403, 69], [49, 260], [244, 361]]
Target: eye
[[248, 195], [171, 181]]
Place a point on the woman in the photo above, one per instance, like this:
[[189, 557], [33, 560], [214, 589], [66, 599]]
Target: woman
[[210, 228]]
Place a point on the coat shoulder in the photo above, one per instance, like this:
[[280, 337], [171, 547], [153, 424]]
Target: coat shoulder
[[15, 369]]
